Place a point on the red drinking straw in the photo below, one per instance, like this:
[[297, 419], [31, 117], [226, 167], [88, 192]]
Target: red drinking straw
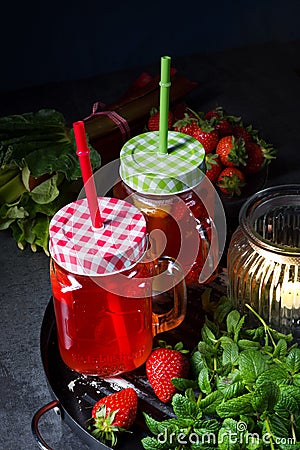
[[83, 153]]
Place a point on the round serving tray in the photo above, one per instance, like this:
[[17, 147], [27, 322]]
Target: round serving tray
[[73, 395]]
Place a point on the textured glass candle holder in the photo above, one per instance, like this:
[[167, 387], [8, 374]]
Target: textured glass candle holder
[[264, 258]]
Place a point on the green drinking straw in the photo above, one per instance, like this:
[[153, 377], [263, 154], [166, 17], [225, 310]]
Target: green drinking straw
[[164, 104]]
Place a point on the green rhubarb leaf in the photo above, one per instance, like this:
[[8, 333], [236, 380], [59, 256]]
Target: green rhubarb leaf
[[46, 192]]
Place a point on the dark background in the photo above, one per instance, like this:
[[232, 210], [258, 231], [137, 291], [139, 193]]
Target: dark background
[[245, 57], [55, 41]]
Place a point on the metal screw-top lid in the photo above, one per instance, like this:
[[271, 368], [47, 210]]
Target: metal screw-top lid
[[146, 170]]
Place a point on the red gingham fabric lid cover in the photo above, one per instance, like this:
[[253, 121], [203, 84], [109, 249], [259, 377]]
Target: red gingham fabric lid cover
[[83, 250]]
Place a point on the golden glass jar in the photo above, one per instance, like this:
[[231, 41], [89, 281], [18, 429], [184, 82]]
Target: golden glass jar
[[264, 258]]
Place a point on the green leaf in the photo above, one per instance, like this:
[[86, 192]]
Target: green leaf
[[207, 335], [251, 364], [183, 407], [197, 362], [232, 321], [276, 373], [293, 360], [265, 397], [209, 403], [230, 353], [228, 438], [289, 401], [183, 383], [280, 349], [151, 423], [222, 310], [232, 385], [151, 443], [203, 381], [296, 380], [46, 192], [246, 344], [277, 427], [236, 406]]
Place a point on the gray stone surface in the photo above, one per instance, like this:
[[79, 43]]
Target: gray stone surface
[[260, 83]]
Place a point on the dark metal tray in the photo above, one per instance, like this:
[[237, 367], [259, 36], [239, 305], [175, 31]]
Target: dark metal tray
[[73, 394]]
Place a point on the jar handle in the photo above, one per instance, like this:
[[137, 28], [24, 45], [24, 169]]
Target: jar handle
[[172, 318]]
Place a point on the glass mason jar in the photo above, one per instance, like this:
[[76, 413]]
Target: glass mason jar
[[264, 258], [173, 194], [105, 289]]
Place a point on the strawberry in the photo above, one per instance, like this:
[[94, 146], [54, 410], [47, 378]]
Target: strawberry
[[246, 133], [162, 365], [153, 121], [186, 125], [213, 166], [231, 151], [231, 180], [259, 154], [222, 124], [114, 413], [255, 158], [206, 134]]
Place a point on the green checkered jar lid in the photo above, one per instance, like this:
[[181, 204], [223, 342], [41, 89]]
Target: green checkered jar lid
[[145, 170]]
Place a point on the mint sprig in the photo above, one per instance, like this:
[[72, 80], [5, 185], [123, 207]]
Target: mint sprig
[[244, 392]]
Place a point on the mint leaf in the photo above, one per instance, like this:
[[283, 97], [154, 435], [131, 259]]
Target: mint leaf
[[276, 373], [232, 385], [183, 383], [251, 364], [228, 437], [265, 397], [203, 381], [280, 349], [151, 423], [183, 407], [207, 335], [232, 321], [293, 360], [246, 344], [209, 403], [230, 353], [236, 406], [197, 362]]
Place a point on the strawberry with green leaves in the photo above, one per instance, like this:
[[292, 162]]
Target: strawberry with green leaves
[[162, 365], [222, 123], [231, 181], [213, 166], [113, 414], [186, 125], [200, 129], [153, 121], [259, 154], [231, 151]]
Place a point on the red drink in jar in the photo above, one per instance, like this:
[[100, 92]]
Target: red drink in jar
[[102, 290], [173, 194]]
